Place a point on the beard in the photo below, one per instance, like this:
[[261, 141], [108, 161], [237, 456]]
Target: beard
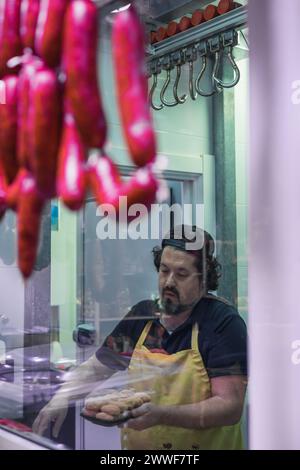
[[170, 307]]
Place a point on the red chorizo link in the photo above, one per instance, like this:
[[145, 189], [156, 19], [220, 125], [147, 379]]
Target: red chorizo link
[[140, 189], [30, 207], [210, 12], [161, 34], [10, 41], [107, 185], [49, 31], [152, 37], [31, 64], [80, 62], [225, 6], [197, 18], [23, 106], [131, 85], [14, 190], [185, 23], [8, 128], [104, 179], [173, 28], [44, 128], [28, 23], [71, 168]]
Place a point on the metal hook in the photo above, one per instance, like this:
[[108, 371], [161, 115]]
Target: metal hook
[[236, 70], [193, 93], [179, 99], [177, 59], [153, 88], [191, 56], [154, 68], [216, 70], [201, 73], [212, 46], [168, 67], [229, 40]]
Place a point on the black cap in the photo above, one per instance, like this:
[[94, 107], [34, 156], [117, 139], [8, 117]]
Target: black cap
[[189, 238]]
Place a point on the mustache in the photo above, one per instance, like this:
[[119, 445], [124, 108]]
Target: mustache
[[171, 290]]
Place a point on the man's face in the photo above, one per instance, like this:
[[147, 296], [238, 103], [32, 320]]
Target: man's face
[[179, 281]]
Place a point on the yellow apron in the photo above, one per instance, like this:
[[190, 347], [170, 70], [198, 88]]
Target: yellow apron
[[175, 379]]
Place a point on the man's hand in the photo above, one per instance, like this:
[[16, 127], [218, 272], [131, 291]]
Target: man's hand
[[145, 416], [55, 411], [223, 408]]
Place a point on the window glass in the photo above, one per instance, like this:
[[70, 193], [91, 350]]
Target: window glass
[[100, 331]]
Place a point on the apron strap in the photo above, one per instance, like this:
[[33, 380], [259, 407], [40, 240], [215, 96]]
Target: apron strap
[[194, 341], [144, 334], [195, 333]]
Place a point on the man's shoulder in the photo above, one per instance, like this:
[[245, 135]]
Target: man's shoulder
[[215, 313], [215, 305], [143, 310], [218, 302]]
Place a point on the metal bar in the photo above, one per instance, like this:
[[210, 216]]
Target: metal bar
[[232, 20]]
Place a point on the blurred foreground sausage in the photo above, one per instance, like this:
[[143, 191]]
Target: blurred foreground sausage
[[44, 121], [49, 31], [14, 190], [30, 208], [71, 167], [81, 34], [108, 187], [28, 22], [8, 128], [10, 41], [132, 86]]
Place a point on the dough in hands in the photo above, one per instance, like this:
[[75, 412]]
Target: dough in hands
[[115, 404], [104, 416], [113, 410]]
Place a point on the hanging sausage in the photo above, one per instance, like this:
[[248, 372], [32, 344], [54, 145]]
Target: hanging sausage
[[8, 128], [49, 30], [53, 117], [28, 22], [10, 40], [71, 177], [132, 87]]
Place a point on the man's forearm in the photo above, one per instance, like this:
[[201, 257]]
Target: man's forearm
[[210, 413], [82, 380]]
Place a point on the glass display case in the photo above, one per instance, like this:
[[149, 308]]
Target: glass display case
[[90, 274]]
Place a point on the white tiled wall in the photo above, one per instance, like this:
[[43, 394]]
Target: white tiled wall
[[182, 131]]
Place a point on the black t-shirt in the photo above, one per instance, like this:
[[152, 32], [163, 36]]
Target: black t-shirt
[[222, 337]]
